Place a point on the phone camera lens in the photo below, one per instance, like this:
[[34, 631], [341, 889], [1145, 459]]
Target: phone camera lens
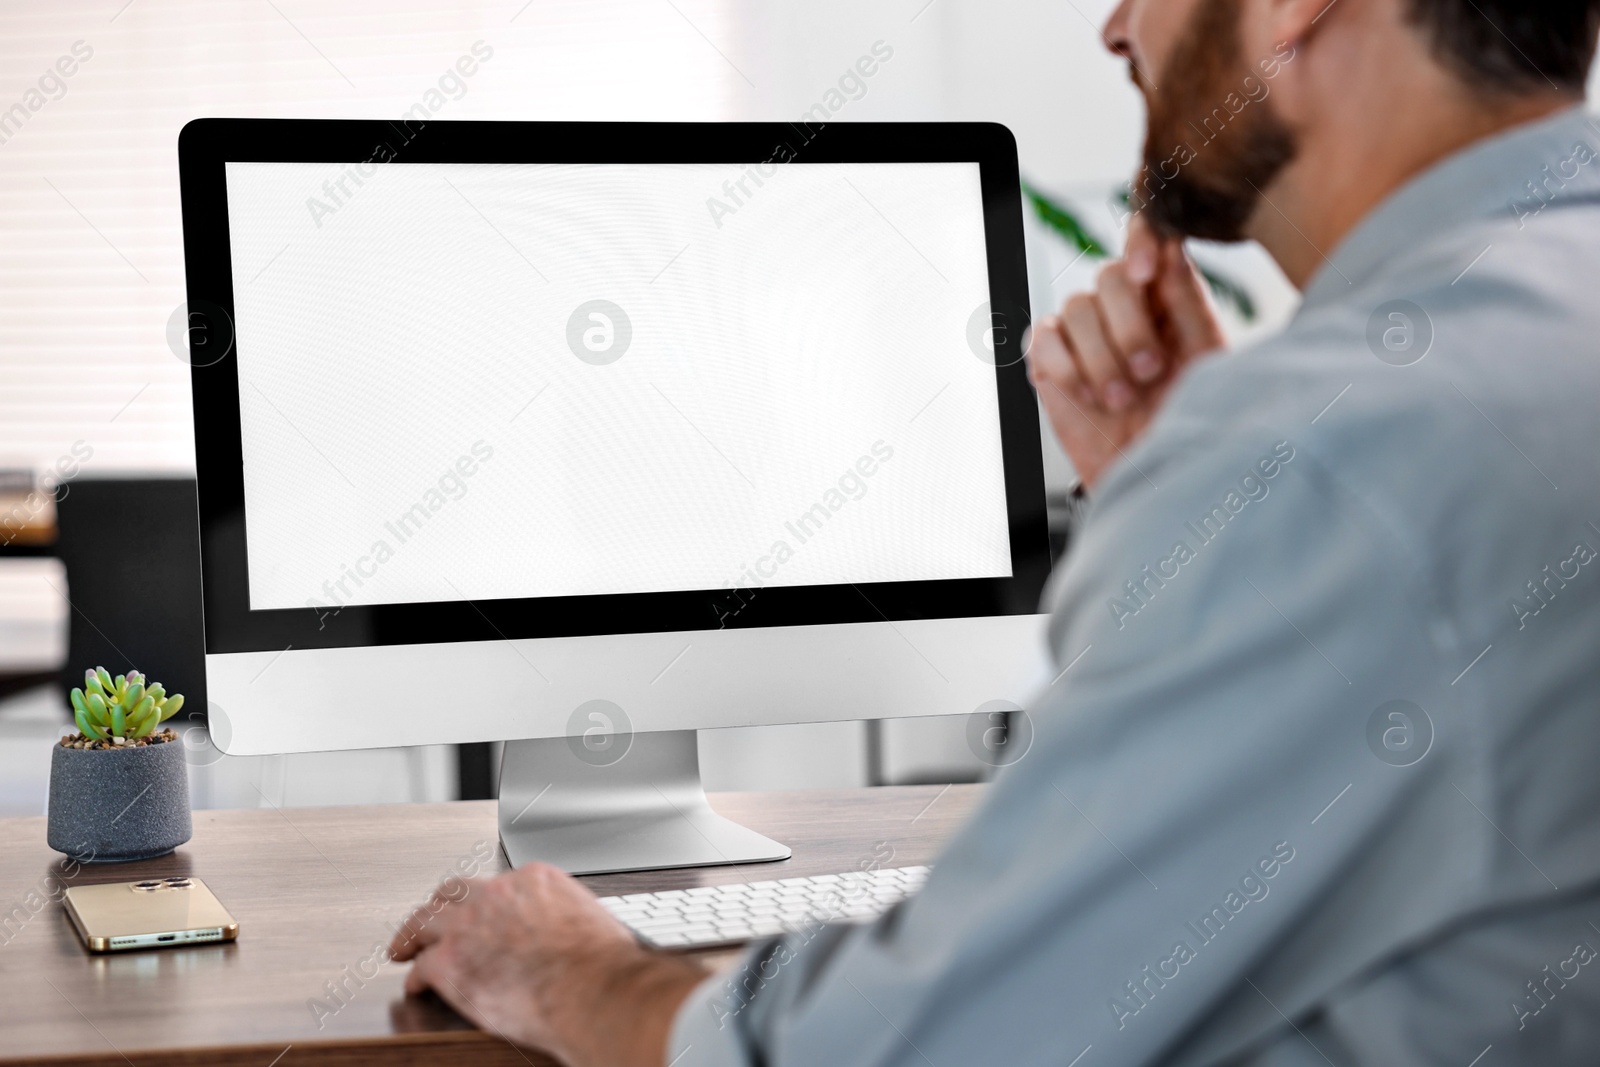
[[147, 886]]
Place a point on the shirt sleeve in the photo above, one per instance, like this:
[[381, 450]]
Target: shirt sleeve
[[1229, 802]]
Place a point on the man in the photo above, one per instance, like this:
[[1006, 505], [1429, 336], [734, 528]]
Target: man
[[1324, 786]]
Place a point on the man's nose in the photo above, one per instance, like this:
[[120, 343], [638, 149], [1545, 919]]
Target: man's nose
[[1115, 32]]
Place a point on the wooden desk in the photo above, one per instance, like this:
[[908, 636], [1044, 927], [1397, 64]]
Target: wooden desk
[[315, 890]]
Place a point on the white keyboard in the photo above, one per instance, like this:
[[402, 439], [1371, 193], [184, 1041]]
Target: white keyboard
[[711, 916]]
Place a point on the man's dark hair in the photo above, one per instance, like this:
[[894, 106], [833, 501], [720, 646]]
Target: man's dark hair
[[1512, 46]]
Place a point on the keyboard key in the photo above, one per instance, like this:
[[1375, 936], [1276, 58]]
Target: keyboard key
[[727, 914]]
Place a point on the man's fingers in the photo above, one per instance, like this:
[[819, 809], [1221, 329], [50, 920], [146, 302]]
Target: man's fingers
[[1181, 291], [420, 930], [1142, 252], [420, 978], [1051, 366], [1125, 307], [1098, 361]]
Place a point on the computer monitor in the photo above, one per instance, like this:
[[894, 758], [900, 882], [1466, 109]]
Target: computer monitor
[[587, 436]]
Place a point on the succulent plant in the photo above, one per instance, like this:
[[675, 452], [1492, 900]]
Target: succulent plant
[[123, 706]]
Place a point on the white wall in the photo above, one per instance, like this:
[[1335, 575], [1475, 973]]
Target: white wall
[[88, 279]]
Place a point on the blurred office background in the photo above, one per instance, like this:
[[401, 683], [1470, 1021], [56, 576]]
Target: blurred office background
[[93, 394]]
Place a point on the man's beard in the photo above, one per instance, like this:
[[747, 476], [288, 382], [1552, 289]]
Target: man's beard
[[1215, 193]]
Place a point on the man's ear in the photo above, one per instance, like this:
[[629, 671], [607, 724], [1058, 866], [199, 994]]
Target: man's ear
[[1276, 33], [1292, 22]]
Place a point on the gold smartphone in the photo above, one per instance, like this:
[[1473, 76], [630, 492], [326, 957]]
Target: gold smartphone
[[154, 913]]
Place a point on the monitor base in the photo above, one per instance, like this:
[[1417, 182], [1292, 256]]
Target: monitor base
[[638, 809]]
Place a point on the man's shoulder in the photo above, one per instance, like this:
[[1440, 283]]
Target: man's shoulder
[[1451, 412], [1483, 333]]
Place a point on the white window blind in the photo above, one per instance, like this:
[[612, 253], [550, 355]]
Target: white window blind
[[92, 96]]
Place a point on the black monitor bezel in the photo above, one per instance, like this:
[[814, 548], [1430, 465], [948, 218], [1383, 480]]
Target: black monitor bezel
[[205, 145]]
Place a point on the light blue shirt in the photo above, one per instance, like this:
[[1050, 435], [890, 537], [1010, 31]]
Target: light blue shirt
[[1322, 783]]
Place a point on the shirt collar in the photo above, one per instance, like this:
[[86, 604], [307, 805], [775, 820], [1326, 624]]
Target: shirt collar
[[1495, 176]]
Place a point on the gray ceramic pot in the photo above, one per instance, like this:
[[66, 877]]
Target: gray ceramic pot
[[119, 804]]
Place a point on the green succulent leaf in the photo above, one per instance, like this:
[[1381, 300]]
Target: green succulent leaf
[[128, 705], [87, 728]]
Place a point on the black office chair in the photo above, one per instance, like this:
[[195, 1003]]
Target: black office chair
[[131, 547]]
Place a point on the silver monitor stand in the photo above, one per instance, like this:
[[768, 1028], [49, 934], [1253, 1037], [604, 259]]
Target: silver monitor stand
[[641, 809]]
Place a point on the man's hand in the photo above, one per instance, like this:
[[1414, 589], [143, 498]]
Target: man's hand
[[530, 955], [1104, 365]]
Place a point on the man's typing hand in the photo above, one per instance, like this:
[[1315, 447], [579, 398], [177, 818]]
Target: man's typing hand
[[1104, 364], [531, 956]]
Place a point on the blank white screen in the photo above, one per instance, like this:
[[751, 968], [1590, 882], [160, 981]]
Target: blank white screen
[[416, 426]]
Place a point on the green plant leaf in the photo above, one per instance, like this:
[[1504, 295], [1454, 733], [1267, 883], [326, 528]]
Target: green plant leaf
[[105, 680], [119, 721], [1230, 292], [135, 693], [1064, 222], [99, 712], [147, 726], [141, 711], [77, 701], [171, 707], [87, 728], [157, 691]]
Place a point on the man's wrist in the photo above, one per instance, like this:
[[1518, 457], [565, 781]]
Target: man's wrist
[[630, 1017]]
